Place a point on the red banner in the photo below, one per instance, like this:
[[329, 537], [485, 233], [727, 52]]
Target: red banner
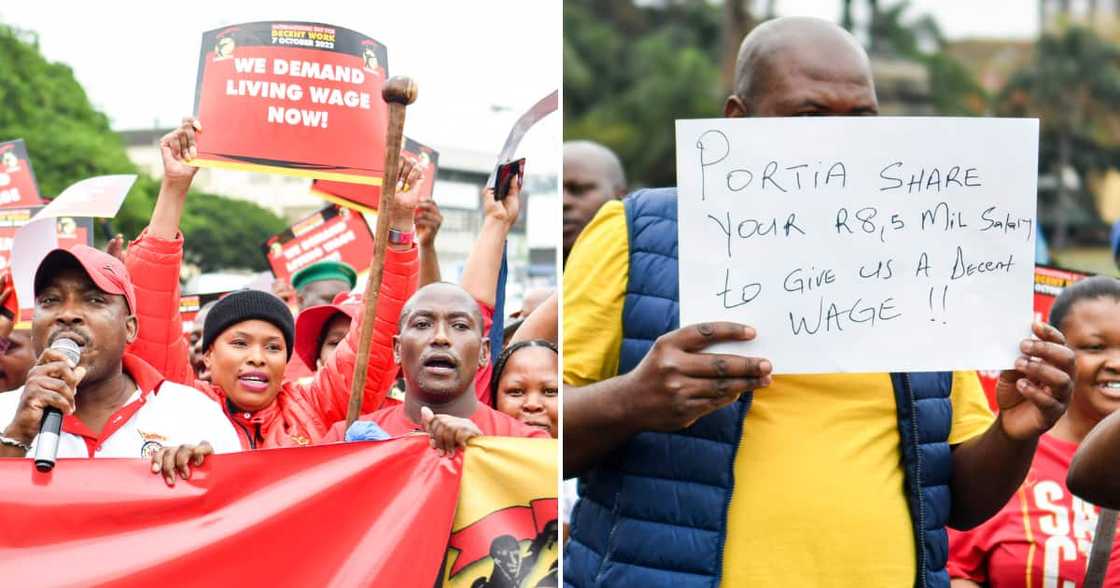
[[365, 198], [360, 514], [335, 233], [17, 180], [1048, 283], [293, 97]]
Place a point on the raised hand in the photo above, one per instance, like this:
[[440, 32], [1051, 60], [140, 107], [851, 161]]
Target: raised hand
[[1034, 395], [178, 147]]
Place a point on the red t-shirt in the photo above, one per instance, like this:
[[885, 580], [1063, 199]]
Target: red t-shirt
[[1042, 535], [396, 423]]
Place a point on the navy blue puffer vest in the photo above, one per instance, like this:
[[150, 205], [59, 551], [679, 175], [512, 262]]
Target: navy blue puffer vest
[[654, 513]]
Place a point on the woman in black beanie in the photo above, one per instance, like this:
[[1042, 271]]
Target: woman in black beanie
[[247, 341], [248, 336]]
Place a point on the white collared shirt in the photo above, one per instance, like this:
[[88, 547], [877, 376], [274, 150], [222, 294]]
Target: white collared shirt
[[173, 415]]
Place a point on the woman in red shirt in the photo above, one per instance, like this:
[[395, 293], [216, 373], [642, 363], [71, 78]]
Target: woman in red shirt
[[1043, 535], [525, 385]]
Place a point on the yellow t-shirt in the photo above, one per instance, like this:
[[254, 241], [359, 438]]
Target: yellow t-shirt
[[818, 497]]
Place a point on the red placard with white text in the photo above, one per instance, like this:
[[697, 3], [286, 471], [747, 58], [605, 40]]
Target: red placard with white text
[[335, 233], [1048, 283], [296, 98], [365, 198], [190, 304], [17, 180]]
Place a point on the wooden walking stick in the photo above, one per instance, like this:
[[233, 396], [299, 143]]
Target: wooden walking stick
[[399, 92]]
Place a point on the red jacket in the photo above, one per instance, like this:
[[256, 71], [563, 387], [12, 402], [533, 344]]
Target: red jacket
[[153, 265], [301, 414]]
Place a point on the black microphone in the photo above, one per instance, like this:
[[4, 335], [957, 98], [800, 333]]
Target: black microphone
[[46, 447]]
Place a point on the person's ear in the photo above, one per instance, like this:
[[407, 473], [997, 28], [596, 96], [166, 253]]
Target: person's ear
[[735, 107], [207, 360], [484, 353], [397, 349], [131, 328]]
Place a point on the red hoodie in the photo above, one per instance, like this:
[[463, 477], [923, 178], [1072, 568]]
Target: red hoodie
[[300, 415]]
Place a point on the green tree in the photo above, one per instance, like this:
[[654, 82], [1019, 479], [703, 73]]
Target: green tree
[[953, 89], [1073, 86], [69, 140], [629, 71]]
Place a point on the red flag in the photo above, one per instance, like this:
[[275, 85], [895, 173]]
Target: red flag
[[359, 514]]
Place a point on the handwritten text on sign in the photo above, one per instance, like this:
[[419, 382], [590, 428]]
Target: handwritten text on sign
[[861, 244]]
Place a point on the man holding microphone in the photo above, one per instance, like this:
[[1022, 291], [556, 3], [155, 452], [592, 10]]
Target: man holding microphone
[[113, 404]]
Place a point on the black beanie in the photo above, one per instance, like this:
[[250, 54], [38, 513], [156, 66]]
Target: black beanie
[[244, 305]]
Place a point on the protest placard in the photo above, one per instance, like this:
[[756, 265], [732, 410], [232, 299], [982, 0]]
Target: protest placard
[[71, 231], [365, 197], [17, 180], [334, 233], [190, 304], [292, 97], [96, 197], [861, 244]]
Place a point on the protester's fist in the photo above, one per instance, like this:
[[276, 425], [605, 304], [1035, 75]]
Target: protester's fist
[[676, 383], [409, 177], [1034, 395], [507, 209], [448, 433], [428, 221], [51, 383], [178, 147], [169, 461]]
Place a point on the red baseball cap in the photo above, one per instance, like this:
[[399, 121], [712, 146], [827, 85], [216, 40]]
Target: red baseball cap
[[106, 271], [312, 320]]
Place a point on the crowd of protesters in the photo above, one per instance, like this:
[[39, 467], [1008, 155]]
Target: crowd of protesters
[[254, 372], [701, 469]]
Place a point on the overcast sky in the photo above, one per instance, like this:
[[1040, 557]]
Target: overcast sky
[[478, 65]]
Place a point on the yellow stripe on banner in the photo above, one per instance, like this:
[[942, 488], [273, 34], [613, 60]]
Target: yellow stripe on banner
[[1027, 528], [505, 529], [286, 171], [344, 202]]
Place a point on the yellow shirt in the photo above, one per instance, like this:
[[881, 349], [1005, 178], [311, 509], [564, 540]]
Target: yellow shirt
[[818, 497]]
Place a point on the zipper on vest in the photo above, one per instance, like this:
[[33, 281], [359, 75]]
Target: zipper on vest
[[746, 405], [921, 530], [615, 510]]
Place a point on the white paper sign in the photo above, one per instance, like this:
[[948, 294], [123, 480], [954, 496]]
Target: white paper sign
[[99, 196], [861, 244]]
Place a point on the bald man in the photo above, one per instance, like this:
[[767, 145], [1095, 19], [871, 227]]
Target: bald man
[[701, 469], [593, 176]]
